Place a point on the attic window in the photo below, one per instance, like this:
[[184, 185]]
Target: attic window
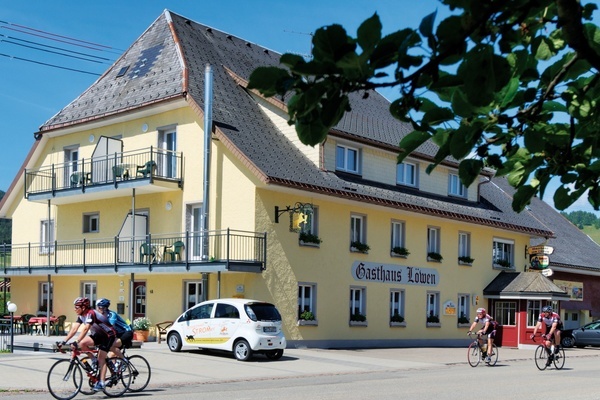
[[122, 71]]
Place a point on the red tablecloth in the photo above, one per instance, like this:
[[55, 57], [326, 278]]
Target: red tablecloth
[[41, 320]]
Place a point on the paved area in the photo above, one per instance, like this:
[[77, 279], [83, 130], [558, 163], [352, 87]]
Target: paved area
[[26, 370]]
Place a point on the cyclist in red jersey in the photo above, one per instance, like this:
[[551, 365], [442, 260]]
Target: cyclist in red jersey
[[96, 331], [488, 329], [550, 324]]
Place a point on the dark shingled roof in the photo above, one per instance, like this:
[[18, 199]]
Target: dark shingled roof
[[168, 61], [524, 285]]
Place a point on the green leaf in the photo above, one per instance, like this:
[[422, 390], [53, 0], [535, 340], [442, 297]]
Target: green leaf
[[369, 34], [410, 142], [426, 26], [542, 48], [468, 170], [561, 198], [331, 43], [311, 132], [437, 116], [522, 197], [386, 52], [267, 80]]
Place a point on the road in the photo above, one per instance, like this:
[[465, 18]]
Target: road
[[376, 374]]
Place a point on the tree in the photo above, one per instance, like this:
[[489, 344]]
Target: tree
[[506, 84]]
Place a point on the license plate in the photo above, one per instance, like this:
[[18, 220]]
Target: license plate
[[269, 329]]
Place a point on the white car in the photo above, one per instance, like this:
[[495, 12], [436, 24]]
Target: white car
[[242, 326]]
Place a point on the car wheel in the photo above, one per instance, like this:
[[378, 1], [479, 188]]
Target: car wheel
[[567, 341], [242, 350], [174, 342], [274, 354]]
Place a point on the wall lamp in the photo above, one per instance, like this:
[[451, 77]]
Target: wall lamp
[[300, 213]]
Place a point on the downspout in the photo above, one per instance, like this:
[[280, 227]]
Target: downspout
[[208, 82]]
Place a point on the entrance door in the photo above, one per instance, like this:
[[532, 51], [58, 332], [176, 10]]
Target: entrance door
[[139, 299], [194, 225]]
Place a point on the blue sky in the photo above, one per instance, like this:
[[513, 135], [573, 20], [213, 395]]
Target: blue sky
[[31, 93]]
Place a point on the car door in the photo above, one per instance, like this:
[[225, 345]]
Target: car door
[[589, 334], [224, 325], [197, 329]]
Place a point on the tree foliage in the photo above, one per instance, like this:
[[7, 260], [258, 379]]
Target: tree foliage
[[513, 82], [581, 218]]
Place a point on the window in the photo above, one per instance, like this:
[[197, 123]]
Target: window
[[166, 158], [433, 306], [309, 222], [505, 312], [396, 303], [88, 289], [464, 244], [227, 311], [71, 157], [357, 302], [502, 253], [346, 159], [91, 223], [455, 187], [306, 298], [463, 311], [193, 293], [358, 228], [433, 240], [397, 234], [202, 312], [47, 237], [45, 296], [534, 309], [406, 174]]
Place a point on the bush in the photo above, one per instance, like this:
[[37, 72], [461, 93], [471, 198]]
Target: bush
[[141, 324], [307, 316]]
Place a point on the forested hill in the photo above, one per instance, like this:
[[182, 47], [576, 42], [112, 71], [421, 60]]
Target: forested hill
[[588, 222]]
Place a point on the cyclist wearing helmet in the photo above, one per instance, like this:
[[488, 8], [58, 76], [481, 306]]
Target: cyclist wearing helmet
[[550, 324], [97, 331], [488, 328], [124, 332]]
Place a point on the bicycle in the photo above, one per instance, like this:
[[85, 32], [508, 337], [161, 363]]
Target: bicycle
[[477, 353], [65, 377], [545, 357]]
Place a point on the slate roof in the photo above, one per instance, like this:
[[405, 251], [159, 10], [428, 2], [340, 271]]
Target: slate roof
[[573, 249], [168, 61], [524, 285]]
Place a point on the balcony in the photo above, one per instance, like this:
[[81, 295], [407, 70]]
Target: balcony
[[226, 250], [110, 175]]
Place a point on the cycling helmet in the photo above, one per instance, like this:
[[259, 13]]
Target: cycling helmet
[[82, 302], [481, 310], [104, 303], [547, 309]]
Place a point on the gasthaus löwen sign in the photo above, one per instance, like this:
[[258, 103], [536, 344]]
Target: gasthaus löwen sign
[[391, 273]]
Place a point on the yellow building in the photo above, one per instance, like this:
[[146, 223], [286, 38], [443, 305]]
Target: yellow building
[[120, 197]]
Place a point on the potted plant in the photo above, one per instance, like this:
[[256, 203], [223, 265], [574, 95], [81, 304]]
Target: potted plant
[[397, 319], [463, 320], [307, 238], [360, 247], [465, 260], [307, 318], [502, 263], [433, 320], [433, 256], [358, 319], [141, 328], [399, 251]]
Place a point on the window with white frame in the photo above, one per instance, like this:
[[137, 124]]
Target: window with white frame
[[91, 223], [396, 303], [47, 236], [463, 311], [503, 253], [89, 290], [309, 224], [71, 161], [433, 240], [306, 298], [357, 301], [433, 306], [505, 312], [45, 296], [455, 186], [347, 159], [464, 244], [406, 174], [358, 225], [534, 309], [194, 293], [398, 234]]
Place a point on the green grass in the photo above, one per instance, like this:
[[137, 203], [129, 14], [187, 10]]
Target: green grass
[[592, 232]]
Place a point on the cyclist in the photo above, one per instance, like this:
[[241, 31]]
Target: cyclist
[[488, 328], [123, 329], [550, 324], [97, 331]]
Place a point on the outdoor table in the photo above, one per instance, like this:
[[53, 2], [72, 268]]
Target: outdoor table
[[17, 321], [39, 323]]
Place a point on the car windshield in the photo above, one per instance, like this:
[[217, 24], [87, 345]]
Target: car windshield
[[262, 312]]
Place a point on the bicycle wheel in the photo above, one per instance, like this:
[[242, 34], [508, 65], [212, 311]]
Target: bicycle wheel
[[64, 380], [473, 355], [140, 373], [541, 357], [559, 359], [118, 377], [87, 386], [494, 357]]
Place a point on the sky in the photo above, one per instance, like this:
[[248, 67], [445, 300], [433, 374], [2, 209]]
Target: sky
[[36, 83]]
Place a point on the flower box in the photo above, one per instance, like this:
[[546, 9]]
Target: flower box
[[358, 323], [397, 324], [307, 322]]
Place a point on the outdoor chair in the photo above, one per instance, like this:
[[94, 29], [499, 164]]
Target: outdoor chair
[[174, 251], [161, 330], [25, 319], [58, 327], [147, 169], [80, 178], [147, 253]]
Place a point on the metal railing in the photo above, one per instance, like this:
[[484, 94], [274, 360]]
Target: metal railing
[[222, 246], [108, 169]]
